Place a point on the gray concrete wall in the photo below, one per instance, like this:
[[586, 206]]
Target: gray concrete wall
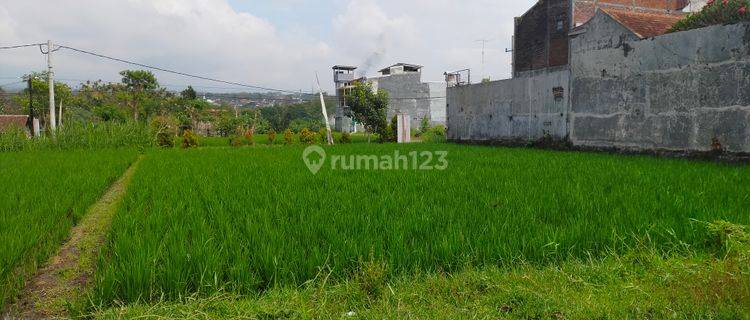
[[676, 92], [411, 96], [523, 108]]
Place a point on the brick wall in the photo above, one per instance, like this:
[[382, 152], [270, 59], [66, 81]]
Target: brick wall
[[541, 39]]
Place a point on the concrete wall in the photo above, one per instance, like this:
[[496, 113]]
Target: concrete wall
[[411, 96], [522, 108], [677, 91]]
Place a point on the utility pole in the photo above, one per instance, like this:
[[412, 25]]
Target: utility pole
[[30, 122], [484, 44], [51, 83], [325, 112]]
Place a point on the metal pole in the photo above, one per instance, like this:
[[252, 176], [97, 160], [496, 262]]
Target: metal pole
[[30, 122], [51, 83]]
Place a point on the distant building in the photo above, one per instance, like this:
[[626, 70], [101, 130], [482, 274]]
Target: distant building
[[541, 37], [407, 93]]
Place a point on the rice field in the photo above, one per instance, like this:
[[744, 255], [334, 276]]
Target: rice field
[[42, 194], [246, 219]]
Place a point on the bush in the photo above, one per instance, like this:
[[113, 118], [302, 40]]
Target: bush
[[165, 131], [236, 141], [308, 137], [423, 126], [715, 12], [14, 138], [271, 136], [346, 138], [288, 137], [323, 135], [250, 137], [435, 134], [189, 139]]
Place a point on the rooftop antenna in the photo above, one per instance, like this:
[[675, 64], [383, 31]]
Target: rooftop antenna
[[484, 44]]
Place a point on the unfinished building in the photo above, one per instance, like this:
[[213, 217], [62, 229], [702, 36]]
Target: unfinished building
[[407, 93]]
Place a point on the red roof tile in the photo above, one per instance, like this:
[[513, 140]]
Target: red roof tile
[[6, 121], [645, 25]]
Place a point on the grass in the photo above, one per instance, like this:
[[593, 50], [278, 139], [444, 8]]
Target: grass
[[643, 283], [240, 220], [262, 139], [42, 195], [670, 289]]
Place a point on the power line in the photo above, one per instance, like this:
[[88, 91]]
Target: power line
[[176, 72], [21, 46]]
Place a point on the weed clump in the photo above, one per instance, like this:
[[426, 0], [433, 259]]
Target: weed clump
[[189, 139], [271, 136], [288, 137]]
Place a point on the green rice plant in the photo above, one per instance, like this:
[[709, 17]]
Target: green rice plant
[[76, 135], [252, 218], [42, 195]]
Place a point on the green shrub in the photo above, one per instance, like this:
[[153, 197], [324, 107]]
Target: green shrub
[[423, 126], [236, 141], [346, 137], [271, 136], [715, 12], [14, 138], [165, 131], [435, 134]]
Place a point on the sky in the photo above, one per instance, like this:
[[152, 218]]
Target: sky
[[270, 43]]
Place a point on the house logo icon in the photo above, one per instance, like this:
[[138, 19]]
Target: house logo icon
[[314, 157]]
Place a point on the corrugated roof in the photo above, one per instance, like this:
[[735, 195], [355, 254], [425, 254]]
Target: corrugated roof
[[644, 25]]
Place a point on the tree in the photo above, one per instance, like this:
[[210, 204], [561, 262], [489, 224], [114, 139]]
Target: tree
[[141, 85], [369, 108], [40, 93], [189, 93]]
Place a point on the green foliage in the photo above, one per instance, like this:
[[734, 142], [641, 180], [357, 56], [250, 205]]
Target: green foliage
[[346, 138], [236, 141], [75, 135], [189, 139], [435, 134], [369, 108], [715, 12], [250, 137], [189, 93], [424, 125], [165, 130], [227, 124], [271, 136], [42, 195], [288, 137], [672, 287], [296, 116], [543, 207], [40, 94]]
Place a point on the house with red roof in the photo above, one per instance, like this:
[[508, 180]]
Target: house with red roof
[[542, 34]]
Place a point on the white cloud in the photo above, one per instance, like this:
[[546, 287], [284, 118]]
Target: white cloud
[[198, 36], [210, 37]]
